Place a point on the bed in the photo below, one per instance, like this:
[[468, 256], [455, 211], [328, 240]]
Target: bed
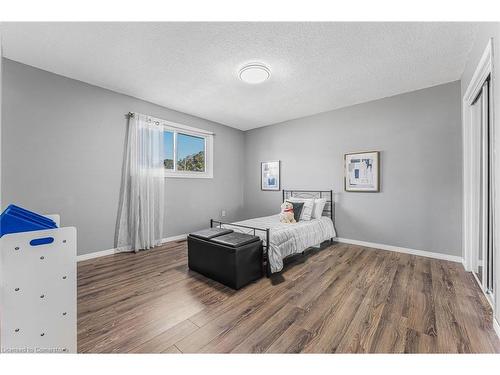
[[280, 240]]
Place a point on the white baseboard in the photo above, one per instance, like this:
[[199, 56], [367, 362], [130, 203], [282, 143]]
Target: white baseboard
[[398, 249], [96, 254], [404, 250], [103, 253], [174, 238], [496, 327]]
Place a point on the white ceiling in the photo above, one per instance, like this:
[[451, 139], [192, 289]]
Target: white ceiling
[[193, 67]]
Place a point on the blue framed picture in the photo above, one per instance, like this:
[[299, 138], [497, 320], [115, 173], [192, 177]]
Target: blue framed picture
[[362, 171], [270, 175]]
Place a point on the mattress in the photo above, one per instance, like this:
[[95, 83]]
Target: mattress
[[288, 239]]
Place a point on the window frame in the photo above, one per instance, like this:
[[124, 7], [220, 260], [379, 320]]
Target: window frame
[[175, 129]]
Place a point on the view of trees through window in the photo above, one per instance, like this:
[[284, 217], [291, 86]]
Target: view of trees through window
[[190, 152], [168, 140]]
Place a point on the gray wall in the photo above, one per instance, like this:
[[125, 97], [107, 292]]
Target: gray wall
[[419, 136], [62, 152], [1, 75], [63, 141]]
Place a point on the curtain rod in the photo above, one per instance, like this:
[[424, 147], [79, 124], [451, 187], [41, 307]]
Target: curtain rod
[[172, 124]]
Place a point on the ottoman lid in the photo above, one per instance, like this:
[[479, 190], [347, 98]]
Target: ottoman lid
[[207, 234], [236, 239]]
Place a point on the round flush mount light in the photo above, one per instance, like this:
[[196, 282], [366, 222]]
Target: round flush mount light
[[254, 73]]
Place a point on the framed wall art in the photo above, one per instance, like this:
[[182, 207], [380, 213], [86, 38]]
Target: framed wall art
[[270, 175], [362, 171]]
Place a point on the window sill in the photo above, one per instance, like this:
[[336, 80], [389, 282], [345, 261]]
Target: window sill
[[188, 175]]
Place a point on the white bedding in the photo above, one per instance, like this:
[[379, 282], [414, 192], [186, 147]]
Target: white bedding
[[288, 239]]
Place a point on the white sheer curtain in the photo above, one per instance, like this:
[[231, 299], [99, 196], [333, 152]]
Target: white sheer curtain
[[142, 204]]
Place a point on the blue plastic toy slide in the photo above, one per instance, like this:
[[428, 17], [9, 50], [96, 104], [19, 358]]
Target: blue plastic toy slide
[[16, 219]]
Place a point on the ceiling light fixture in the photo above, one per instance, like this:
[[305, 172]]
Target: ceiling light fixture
[[254, 73]]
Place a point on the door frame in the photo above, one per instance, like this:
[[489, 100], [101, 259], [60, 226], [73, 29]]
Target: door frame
[[483, 70]]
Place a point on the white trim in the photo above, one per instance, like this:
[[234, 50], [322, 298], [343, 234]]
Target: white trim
[[398, 249], [209, 156], [174, 238], [188, 175], [96, 254], [484, 68], [488, 298], [103, 253], [496, 327], [404, 250]]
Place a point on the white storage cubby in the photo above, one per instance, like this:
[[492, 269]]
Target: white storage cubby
[[38, 291]]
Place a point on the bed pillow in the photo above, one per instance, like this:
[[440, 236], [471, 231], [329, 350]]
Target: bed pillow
[[306, 210], [297, 209], [319, 205]]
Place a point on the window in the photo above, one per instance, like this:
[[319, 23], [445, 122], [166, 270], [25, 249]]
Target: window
[[188, 152], [168, 140]]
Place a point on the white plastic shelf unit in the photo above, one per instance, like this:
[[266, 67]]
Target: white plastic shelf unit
[[38, 291]]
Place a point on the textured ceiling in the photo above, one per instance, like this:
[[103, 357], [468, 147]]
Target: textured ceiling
[[193, 67]]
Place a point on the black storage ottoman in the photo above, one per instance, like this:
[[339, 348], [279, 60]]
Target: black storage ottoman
[[231, 258]]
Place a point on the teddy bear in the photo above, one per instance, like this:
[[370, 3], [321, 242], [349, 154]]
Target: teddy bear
[[286, 215]]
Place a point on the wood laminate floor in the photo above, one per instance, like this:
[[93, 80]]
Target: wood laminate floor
[[342, 299]]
